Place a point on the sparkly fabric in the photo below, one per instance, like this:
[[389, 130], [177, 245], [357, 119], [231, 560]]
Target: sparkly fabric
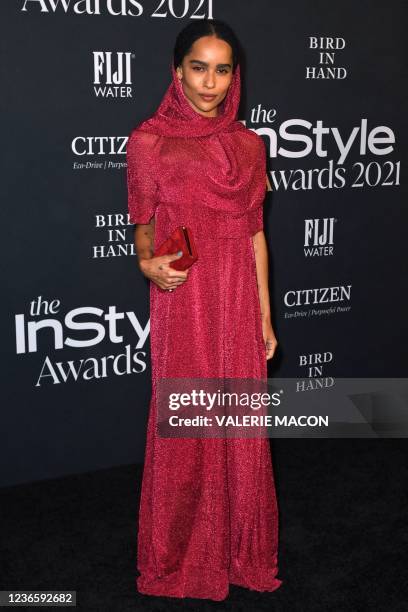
[[208, 511]]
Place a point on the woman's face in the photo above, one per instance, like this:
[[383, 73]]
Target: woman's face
[[206, 73]]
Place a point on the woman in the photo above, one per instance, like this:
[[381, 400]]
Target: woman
[[208, 510]]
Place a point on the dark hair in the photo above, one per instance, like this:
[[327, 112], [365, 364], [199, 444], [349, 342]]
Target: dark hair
[[206, 27]]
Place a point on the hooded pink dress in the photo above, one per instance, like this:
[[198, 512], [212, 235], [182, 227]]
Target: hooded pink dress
[[208, 510]]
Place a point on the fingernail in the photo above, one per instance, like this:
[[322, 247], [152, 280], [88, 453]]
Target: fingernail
[[179, 252]]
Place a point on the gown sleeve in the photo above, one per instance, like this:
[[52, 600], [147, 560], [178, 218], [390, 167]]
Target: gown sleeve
[[141, 184], [258, 192]]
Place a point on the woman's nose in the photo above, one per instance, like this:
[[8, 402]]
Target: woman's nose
[[209, 80]]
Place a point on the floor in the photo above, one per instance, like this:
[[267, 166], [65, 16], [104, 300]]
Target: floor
[[343, 533]]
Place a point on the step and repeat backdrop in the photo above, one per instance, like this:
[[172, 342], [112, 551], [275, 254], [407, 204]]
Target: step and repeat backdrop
[[324, 84]]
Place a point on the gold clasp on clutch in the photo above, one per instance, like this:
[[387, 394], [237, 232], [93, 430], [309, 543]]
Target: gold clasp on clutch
[[187, 239]]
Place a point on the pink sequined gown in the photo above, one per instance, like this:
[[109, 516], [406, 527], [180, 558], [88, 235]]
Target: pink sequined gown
[[208, 511]]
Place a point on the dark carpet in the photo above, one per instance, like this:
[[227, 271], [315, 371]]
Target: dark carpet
[[343, 533]]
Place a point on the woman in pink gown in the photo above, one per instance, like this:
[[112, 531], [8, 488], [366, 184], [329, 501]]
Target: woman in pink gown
[[208, 510]]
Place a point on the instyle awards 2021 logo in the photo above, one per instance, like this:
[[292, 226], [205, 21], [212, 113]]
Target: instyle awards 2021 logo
[[300, 138], [80, 329], [162, 9]]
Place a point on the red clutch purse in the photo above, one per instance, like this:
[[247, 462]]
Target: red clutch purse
[[180, 239]]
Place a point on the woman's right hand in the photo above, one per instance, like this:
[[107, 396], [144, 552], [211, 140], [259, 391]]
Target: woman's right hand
[[158, 270]]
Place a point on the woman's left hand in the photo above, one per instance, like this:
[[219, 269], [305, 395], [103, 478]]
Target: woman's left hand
[[269, 339]]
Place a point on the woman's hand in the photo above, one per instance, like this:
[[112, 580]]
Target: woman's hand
[[269, 338], [158, 270]]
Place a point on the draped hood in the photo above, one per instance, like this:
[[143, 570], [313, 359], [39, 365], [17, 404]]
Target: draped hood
[[176, 117]]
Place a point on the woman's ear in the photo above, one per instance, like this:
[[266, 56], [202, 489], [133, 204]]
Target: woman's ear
[[179, 71]]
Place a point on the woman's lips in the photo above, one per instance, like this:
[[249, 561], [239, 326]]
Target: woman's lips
[[207, 98]]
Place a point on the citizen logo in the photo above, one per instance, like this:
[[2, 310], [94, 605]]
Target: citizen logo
[[319, 295], [99, 145]]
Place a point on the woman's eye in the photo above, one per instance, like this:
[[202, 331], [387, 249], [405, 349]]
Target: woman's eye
[[200, 69]]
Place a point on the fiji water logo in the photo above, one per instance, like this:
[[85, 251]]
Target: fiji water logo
[[319, 237], [112, 74]]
